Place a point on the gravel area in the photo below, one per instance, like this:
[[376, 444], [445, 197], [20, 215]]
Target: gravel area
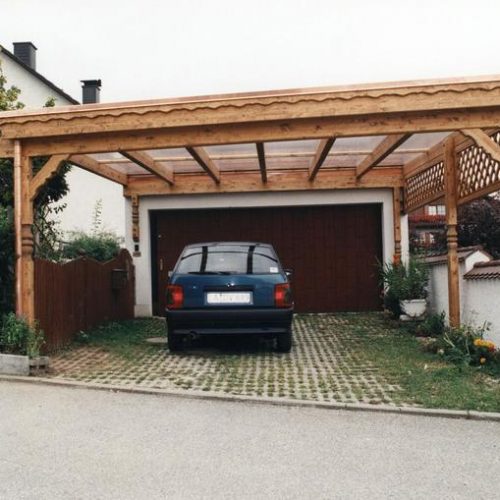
[[326, 363]]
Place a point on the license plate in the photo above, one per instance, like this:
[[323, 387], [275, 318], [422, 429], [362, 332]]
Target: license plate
[[229, 298]]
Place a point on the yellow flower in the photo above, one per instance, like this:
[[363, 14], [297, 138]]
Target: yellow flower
[[482, 361], [478, 342]]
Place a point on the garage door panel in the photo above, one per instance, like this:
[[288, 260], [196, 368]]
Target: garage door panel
[[333, 250]]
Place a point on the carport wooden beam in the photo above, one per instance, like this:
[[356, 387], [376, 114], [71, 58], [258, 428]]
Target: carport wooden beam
[[319, 158], [205, 162], [293, 129], [433, 100], [261, 154], [383, 150], [90, 164], [147, 162], [234, 182], [45, 174]]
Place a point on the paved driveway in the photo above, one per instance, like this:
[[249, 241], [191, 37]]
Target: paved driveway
[[59, 443], [327, 362]]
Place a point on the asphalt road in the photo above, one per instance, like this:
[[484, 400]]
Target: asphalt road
[[62, 443]]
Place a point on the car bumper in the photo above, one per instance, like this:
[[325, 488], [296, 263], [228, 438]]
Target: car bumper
[[229, 321]]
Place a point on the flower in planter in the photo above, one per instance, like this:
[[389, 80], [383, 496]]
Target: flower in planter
[[482, 361]]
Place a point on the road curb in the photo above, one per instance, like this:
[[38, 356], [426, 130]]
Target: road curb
[[395, 410]]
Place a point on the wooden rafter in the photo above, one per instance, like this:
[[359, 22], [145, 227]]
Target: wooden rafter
[[92, 165], [320, 156], [147, 162], [262, 160], [47, 172], [201, 157], [384, 149], [484, 141]]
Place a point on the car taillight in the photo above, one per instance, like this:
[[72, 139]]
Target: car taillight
[[175, 296], [282, 295]]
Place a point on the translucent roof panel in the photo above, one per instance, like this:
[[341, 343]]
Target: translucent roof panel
[[232, 150], [346, 152], [423, 141], [292, 147], [413, 147], [363, 145], [169, 153]]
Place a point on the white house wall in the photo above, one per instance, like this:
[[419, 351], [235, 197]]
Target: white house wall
[[85, 190], [34, 92], [241, 200]]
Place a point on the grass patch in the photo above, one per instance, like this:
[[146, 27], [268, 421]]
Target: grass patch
[[126, 339], [425, 379]]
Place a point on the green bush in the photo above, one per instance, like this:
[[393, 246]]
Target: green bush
[[433, 325], [100, 246], [17, 337]]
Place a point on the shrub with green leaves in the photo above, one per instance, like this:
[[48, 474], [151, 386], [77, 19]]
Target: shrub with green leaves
[[102, 246], [18, 337], [433, 326]]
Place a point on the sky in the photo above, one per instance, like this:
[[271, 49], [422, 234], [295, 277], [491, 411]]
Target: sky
[[153, 49]]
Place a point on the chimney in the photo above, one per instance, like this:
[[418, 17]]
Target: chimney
[[91, 90], [26, 52]]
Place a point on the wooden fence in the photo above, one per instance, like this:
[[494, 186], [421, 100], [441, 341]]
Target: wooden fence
[[81, 294]]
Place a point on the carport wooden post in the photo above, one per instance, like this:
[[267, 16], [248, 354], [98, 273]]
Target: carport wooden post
[[450, 189], [23, 217]]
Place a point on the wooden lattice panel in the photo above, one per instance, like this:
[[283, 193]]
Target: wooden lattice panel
[[477, 171], [424, 187]]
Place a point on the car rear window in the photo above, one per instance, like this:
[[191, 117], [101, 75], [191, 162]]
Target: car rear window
[[230, 259]]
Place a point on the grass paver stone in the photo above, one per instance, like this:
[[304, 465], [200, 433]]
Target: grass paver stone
[[341, 358]]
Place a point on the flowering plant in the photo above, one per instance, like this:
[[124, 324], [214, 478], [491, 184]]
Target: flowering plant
[[465, 345]]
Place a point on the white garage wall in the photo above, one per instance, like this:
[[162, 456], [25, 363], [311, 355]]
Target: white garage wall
[[234, 200]]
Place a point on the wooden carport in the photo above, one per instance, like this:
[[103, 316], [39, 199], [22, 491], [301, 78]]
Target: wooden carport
[[248, 142]]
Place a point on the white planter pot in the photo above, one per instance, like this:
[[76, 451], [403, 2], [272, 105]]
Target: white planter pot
[[413, 308]]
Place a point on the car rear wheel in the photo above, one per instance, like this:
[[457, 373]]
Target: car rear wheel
[[284, 341], [174, 342]]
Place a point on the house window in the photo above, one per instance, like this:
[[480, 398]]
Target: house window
[[436, 210]]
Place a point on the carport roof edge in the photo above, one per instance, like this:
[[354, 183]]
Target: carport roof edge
[[370, 99]]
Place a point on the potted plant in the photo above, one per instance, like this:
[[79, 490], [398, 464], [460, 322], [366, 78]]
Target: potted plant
[[406, 286]]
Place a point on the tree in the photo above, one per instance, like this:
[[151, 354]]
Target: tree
[[52, 192], [479, 224]]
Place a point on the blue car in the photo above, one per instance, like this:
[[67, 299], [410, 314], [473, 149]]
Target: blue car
[[229, 288]]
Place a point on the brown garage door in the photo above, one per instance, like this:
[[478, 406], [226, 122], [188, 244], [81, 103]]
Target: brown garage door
[[333, 250]]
